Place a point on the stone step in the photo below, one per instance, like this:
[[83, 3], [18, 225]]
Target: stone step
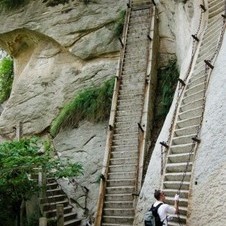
[[175, 224], [111, 224], [208, 50], [176, 185], [129, 141], [190, 113], [120, 190], [200, 67], [217, 11], [197, 79], [211, 39], [126, 148], [178, 167], [120, 220], [122, 182], [119, 197], [212, 20], [52, 213], [130, 96], [126, 127], [186, 139], [178, 219], [118, 204], [207, 55], [195, 89], [122, 175], [55, 198], [184, 148], [183, 157], [52, 185], [126, 113], [193, 98], [186, 130], [121, 161], [126, 93], [75, 222], [172, 192], [50, 206], [215, 26], [213, 3], [182, 202], [130, 105], [124, 154], [53, 192], [68, 217], [122, 168], [127, 81], [188, 122], [189, 104], [125, 135], [118, 212], [211, 33], [135, 105]]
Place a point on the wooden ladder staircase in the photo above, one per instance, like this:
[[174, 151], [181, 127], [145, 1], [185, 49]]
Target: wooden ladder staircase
[[55, 195], [185, 135], [121, 175]]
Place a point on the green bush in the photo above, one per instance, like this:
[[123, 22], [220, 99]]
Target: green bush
[[119, 24], [6, 78], [167, 81], [10, 4], [18, 160], [92, 104]]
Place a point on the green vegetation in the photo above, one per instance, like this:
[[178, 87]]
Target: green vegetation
[[6, 78], [167, 81], [11, 4], [18, 160], [55, 2], [119, 24], [92, 104]]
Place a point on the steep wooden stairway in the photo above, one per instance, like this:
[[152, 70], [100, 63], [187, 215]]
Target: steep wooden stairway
[[55, 195], [123, 159], [185, 135]]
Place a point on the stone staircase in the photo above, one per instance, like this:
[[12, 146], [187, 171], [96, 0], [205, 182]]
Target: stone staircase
[[120, 189], [55, 195], [185, 135]]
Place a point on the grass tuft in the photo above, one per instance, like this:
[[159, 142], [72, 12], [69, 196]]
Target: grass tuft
[[92, 104]]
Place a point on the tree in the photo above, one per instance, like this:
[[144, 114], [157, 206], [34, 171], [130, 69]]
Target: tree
[[19, 160]]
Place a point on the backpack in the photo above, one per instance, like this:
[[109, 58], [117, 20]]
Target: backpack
[[151, 217]]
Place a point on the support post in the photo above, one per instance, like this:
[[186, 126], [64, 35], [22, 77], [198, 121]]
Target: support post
[[60, 214], [209, 64], [42, 221], [121, 42], [203, 7], [195, 37], [182, 82]]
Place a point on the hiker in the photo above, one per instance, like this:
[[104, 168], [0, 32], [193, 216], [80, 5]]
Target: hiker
[[165, 209]]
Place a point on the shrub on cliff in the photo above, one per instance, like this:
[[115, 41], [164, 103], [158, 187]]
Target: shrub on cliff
[[6, 78], [92, 104], [10, 4]]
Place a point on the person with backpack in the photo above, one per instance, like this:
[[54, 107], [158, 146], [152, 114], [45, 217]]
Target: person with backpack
[[158, 214]]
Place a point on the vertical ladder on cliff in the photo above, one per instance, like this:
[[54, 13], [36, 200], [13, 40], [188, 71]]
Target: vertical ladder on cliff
[[116, 200], [188, 119]]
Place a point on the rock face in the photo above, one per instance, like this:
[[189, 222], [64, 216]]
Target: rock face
[[57, 52], [60, 50]]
